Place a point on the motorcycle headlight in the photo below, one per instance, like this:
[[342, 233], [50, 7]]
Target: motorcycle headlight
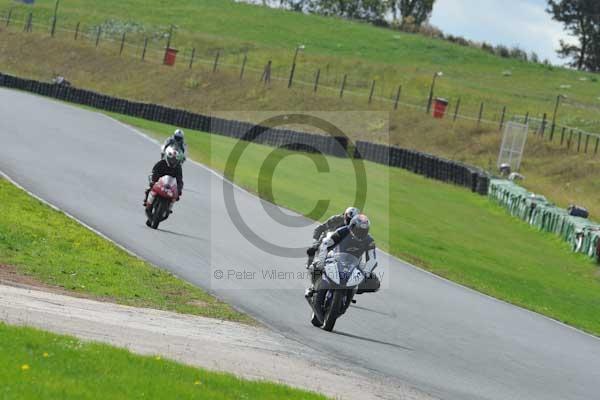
[[332, 272]]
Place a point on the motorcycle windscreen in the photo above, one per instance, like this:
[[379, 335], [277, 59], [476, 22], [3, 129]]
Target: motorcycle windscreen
[[342, 269]]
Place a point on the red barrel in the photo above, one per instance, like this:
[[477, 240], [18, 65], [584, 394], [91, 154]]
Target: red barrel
[[439, 107], [170, 56]]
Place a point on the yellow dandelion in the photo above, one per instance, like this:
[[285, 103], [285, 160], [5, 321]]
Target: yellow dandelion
[[46, 355], [157, 358], [25, 367], [197, 382]]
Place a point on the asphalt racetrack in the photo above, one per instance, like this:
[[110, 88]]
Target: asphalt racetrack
[[439, 337]]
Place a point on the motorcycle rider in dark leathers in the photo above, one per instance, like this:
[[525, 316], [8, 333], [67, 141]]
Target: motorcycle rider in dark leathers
[[331, 225], [169, 165], [353, 239]]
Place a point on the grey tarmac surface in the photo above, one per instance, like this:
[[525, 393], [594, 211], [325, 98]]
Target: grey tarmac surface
[[441, 338]]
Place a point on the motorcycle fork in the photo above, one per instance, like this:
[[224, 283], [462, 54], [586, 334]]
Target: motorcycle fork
[[150, 199]]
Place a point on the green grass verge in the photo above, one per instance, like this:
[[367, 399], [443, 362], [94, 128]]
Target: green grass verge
[[41, 365], [565, 176], [442, 228], [52, 248], [336, 46]]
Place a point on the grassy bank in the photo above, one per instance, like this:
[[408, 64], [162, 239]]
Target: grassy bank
[[47, 246], [564, 176], [442, 228], [338, 47], [40, 365]]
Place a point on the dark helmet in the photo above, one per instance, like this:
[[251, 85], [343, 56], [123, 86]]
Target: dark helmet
[[350, 213], [171, 157], [178, 136], [359, 226]]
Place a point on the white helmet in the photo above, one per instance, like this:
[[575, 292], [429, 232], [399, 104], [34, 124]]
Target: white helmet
[[178, 136], [350, 213], [171, 156]]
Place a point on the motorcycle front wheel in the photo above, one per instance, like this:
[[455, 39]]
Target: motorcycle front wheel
[[334, 310], [159, 209]]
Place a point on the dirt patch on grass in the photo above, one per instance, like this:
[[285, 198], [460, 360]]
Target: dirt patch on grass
[[10, 276]]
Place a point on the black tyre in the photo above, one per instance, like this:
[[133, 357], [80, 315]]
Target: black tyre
[[334, 310], [159, 210], [315, 321]]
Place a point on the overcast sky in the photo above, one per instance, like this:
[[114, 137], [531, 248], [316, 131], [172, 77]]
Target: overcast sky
[[509, 22]]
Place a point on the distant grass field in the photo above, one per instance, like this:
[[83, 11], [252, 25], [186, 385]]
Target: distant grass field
[[52, 248], [442, 228], [564, 176], [337, 46], [40, 365]]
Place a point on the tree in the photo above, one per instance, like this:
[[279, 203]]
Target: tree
[[367, 10], [581, 18], [417, 11]]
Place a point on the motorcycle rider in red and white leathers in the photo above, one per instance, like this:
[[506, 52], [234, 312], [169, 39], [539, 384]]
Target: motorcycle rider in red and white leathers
[[352, 239]]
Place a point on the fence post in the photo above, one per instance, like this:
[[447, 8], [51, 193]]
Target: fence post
[[292, 72], [98, 36], [597, 143], [456, 109], [77, 30], [192, 57], [122, 43], [266, 76], [243, 65], [343, 86], [502, 117], [587, 141], [54, 18], [317, 77], [560, 96], [527, 118], [372, 89], [216, 64], [27, 27], [570, 139], [145, 47], [543, 127], [8, 17], [398, 93], [480, 115], [562, 135], [578, 141]]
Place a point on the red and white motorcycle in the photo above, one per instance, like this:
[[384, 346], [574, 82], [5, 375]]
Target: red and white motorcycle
[[160, 199]]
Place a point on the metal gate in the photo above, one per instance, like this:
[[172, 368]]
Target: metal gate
[[513, 145]]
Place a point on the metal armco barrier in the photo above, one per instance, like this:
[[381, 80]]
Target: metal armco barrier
[[473, 178]]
